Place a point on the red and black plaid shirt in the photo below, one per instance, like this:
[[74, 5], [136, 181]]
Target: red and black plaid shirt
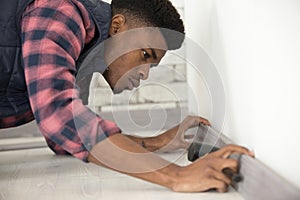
[[53, 35]]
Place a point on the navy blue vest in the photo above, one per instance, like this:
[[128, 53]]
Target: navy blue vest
[[13, 93]]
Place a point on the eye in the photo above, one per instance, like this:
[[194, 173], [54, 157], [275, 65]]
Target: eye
[[146, 55]]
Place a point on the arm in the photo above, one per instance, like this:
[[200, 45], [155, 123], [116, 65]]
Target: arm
[[173, 138], [124, 155]]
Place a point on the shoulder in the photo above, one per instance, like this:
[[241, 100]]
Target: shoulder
[[67, 7], [68, 12]]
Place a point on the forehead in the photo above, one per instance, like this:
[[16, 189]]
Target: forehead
[[134, 39], [147, 37], [152, 37]]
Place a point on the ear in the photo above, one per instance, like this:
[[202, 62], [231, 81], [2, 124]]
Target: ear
[[118, 24]]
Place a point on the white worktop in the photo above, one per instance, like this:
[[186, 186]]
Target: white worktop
[[39, 174]]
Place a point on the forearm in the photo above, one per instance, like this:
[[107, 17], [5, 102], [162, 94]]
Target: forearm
[[120, 153], [154, 143], [150, 143]]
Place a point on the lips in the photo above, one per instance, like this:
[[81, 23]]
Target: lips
[[135, 83]]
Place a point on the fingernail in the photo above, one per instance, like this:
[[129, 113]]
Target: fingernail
[[252, 153]]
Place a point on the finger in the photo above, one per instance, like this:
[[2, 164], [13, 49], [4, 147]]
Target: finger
[[185, 144], [189, 136], [201, 120], [219, 175], [204, 121], [196, 121], [220, 186], [226, 151], [219, 164], [234, 176], [229, 163]]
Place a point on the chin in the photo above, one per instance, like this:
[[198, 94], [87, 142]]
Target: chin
[[117, 90]]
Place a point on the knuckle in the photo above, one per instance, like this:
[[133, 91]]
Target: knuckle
[[228, 181], [222, 185], [232, 162], [208, 170]]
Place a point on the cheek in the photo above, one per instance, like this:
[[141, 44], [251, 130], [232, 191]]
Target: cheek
[[117, 70], [126, 64], [123, 67]]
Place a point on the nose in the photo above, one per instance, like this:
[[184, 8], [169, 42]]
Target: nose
[[143, 71]]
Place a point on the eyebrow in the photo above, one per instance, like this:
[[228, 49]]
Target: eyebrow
[[153, 53]]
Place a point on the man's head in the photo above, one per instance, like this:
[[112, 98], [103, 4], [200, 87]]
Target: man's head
[[134, 47]]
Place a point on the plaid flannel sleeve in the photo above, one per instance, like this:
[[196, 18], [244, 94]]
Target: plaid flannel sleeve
[[53, 35]]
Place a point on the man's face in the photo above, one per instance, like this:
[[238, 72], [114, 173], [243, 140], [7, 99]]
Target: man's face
[[130, 55]]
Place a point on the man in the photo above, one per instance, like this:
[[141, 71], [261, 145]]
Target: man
[[43, 46]]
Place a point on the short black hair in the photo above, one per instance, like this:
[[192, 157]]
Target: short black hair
[[154, 13]]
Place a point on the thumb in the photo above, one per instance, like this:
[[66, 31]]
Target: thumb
[[189, 136], [185, 144]]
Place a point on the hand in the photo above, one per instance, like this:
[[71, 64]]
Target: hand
[[174, 138], [206, 172]]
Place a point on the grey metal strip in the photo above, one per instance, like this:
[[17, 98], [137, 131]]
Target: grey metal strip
[[259, 182]]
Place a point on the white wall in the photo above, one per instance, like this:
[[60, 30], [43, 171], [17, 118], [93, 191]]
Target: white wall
[[255, 45]]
